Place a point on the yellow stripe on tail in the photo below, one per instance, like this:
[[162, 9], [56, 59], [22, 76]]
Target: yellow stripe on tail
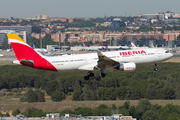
[[15, 37]]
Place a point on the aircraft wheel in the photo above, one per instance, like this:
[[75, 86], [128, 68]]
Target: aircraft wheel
[[86, 77], [155, 69], [90, 74], [103, 74]]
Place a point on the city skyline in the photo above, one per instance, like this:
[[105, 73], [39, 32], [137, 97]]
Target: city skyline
[[84, 8]]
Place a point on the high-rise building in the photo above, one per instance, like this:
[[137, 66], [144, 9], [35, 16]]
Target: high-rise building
[[23, 31]]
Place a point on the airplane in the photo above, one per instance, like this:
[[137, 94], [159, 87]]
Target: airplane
[[135, 47], [125, 60], [87, 47], [39, 49]]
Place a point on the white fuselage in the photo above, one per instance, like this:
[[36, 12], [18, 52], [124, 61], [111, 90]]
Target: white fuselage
[[76, 61]]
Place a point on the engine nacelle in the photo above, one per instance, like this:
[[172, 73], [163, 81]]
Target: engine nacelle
[[130, 66]]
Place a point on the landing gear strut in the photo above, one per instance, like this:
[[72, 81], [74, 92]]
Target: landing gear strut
[[155, 68]]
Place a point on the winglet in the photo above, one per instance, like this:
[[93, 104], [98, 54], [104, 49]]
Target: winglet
[[132, 44]]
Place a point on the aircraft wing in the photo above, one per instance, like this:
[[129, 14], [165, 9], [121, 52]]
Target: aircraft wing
[[104, 61]]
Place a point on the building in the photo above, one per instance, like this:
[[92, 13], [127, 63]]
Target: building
[[23, 31], [4, 39], [160, 16], [117, 22], [43, 16]]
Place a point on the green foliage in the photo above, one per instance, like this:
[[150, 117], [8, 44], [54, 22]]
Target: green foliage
[[57, 96], [141, 83], [144, 29], [45, 41], [178, 38], [87, 93], [51, 87], [102, 110], [31, 96], [145, 110], [83, 111], [32, 112], [143, 106], [1, 115], [23, 99], [15, 112], [81, 24], [67, 111], [40, 96], [77, 96], [7, 114]]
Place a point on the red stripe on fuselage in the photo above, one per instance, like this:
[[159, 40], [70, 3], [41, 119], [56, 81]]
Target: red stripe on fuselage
[[27, 53]]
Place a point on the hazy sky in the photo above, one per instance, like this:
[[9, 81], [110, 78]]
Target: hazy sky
[[84, 8]]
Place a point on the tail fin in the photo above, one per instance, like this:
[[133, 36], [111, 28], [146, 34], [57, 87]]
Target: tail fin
[[26, 55], [87, 44], [133, 46], [20, 47], [84, 45], [34, 46], [105, 44]]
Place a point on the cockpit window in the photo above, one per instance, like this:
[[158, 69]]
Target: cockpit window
[[167, 51]]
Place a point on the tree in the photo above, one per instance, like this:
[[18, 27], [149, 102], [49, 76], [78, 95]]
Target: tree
[[32, 112], [31, 96], [178, 38], [77, 96], [23, 99], [7, 114], [87, 93], [51, 87], [83, 111], [15, 112], [40, 96], [37, 83], [102, 110], [143, 106], [57, 96]]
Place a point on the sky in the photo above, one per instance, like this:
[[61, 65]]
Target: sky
[[84, 8]]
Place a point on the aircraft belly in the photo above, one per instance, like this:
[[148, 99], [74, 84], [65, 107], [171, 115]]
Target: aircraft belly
[[68, 66]]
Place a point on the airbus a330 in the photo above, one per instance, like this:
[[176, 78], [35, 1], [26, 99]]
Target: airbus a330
[[125, 60]]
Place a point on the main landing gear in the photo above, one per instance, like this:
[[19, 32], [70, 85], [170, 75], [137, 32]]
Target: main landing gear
[[155, 68], [90, 74]]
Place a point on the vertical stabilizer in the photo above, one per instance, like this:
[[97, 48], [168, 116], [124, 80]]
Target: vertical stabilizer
[[26, 55]]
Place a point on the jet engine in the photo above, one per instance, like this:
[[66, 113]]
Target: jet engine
[[129, 66]]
